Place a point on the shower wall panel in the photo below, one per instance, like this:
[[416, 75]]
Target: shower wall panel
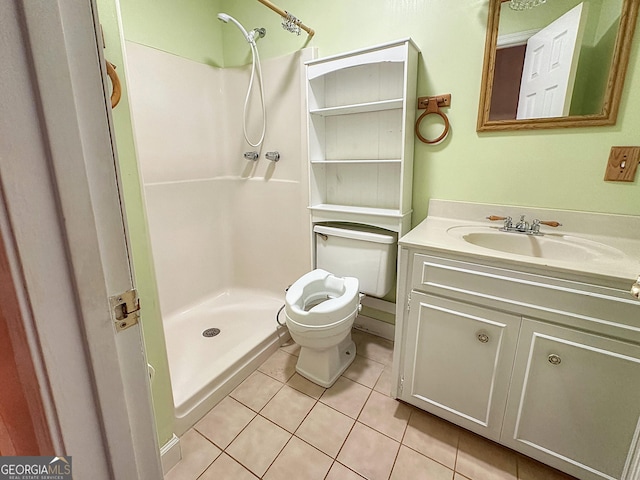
[[217, 221], [191, 240], [175, 104]]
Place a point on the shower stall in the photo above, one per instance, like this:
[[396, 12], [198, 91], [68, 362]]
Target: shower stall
[[228, 235]]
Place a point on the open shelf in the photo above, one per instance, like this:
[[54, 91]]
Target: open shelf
[[376, 106], [359, 161], [379, 212]]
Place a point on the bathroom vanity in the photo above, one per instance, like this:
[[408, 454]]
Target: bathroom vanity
[[530, 340]]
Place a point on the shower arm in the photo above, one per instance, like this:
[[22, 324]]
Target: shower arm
[[285, 14]]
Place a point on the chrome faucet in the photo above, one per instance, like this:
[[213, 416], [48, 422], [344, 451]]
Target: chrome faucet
[[523, 226]]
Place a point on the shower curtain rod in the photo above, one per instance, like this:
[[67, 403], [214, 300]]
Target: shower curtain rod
[[286, 15]]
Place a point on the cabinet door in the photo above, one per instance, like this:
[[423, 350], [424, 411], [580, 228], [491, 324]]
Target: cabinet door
[[575, 401], [458, 361]]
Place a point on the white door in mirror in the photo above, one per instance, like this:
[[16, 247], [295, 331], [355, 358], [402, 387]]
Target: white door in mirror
[[550, 65]]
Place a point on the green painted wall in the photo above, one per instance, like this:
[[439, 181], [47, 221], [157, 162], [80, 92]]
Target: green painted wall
[[188, 28], [561, 168]]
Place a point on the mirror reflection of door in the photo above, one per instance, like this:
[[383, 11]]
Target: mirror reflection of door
[[550, 65], [593, 56]]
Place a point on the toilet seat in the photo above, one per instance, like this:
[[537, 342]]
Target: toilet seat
[[340, 304]]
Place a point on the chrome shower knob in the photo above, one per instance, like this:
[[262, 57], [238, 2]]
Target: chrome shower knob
[[273, 156]]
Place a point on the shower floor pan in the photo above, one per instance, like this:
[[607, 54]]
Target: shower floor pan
[[204, 369]]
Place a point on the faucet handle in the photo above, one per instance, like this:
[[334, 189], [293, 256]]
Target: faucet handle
[[550, 223], [507, 221], [522, 225]]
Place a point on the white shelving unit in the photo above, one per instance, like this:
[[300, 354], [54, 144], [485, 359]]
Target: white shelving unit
[[360, 122]]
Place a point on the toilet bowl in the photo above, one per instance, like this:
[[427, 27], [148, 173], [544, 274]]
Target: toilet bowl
[[319, 311], [320, 306]]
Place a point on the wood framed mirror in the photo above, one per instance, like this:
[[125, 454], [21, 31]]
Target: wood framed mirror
[[590, 40]]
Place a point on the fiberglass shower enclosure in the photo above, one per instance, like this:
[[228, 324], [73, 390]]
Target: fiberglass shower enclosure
[[228, 235]]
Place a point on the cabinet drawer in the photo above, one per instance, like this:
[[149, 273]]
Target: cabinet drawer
[[574, 401], [458, 361], [603, 310]]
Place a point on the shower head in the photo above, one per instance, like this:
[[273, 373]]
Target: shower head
[[226, 18]]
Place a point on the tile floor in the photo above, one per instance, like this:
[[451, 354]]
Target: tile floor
[[277, 425]]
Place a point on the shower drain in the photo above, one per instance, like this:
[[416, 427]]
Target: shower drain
[[211, 332]]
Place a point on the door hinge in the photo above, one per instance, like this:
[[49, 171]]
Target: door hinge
[[401, 386], [408, 303], [125, 309]]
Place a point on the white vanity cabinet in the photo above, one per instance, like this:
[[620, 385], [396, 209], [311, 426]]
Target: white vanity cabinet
[[459, 359], [361, 111], [576, 395], [544, 364]]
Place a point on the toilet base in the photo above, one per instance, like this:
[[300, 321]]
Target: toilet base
[[323, 367]]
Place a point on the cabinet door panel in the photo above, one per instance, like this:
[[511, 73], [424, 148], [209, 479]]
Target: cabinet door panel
[[575, 398], [459, 360]]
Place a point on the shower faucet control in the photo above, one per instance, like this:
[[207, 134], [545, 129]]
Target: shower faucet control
[[273, 156], [251, 155]]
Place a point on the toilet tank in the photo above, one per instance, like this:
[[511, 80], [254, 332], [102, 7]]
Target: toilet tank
[[367, 253]]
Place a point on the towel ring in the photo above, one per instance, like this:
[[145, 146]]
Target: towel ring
[[115, 81], [433, 107]]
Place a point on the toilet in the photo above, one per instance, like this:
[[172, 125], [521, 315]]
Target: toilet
[[321, 306]]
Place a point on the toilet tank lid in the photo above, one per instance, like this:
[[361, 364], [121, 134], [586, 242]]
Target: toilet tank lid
[[356, 233]]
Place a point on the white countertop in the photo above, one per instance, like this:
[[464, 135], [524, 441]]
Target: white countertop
[[620, 233]]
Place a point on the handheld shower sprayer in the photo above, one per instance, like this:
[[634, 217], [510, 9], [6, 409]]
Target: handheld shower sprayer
[[226, 18], [256, 71], [249, 36]]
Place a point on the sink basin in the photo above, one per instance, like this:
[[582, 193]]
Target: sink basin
[[549, 246]]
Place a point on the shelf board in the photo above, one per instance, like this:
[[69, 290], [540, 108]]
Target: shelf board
[[366, 162], [378, 212], [381, 105]]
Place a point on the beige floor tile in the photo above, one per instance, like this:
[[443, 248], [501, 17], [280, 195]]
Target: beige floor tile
[[291, 347], [325, 429], [288, 408], [412, 465], [369, 453], [256, 391], [373, 347], [280, 366], [305, 386], [457, 476], [529, 469], [385, 415], [226, 467], [384, 383], [364, 371], [258, 445], [197, 454], [346, 396], [481, 459], [340, 472], [299, 460], [225, 421], [432, 437]]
